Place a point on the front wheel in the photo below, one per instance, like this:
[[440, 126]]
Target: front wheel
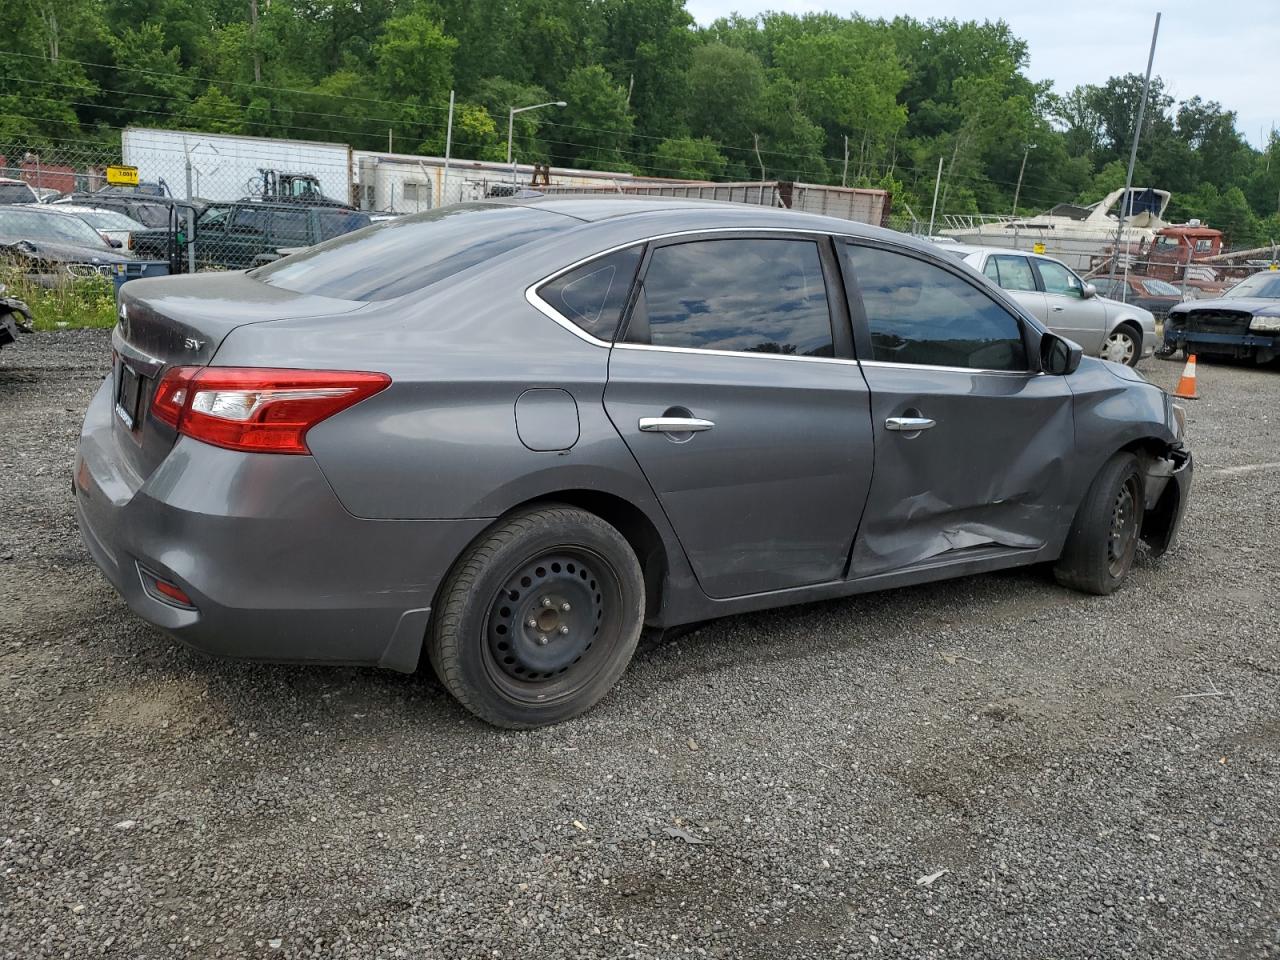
[[538, 620], [1104, 534], [1123, 346]]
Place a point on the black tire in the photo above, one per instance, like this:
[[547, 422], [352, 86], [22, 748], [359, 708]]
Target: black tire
[[1105, 532], [539, 618]]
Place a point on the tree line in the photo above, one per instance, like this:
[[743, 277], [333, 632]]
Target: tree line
[[819, 97]]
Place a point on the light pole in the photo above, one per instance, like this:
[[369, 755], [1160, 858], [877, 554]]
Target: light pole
[[511, 119], [1017, 191]]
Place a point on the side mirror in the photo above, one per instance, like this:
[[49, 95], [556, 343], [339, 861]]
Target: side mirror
[[1058, 355], [1089, 291]]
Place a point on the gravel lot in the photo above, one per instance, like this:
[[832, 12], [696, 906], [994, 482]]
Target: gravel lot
[[1054, 754]]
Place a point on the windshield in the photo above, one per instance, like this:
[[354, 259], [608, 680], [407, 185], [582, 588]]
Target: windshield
[[396, 257], [22, 224], [1265, 285], [109, 220], [16, 193]]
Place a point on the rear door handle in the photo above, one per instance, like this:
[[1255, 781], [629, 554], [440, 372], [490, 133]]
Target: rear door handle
[[909, 424], [1058, 309], [674, 425]]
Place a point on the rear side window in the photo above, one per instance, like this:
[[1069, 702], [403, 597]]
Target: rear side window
[[743, 295], [920, 313], [289, 227], [1014, 273], [334, 223], [396, 257], [594, 295], [249, 220]]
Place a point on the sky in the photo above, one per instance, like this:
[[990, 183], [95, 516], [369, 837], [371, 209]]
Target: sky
[[1221, 50]]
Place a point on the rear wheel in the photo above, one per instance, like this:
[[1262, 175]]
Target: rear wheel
[[1123, 345], [1104, 534], [539, 619]]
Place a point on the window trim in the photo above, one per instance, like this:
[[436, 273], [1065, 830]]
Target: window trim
[[862, 328]]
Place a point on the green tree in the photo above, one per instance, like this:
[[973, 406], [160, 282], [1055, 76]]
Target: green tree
[[688, 159], [598, 121]]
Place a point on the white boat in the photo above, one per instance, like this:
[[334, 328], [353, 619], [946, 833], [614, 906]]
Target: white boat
[[1076, 235]]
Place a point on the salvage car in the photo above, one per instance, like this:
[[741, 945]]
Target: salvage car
[[53, 247], [1243, 323], [116, 228], [514, 433], [1057, 297], [15, 316], [1150, 293]]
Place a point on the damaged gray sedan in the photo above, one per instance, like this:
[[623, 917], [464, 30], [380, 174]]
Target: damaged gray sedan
[[514, 435]]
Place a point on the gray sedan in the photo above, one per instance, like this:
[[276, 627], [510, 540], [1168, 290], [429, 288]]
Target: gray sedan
[[1052, 292], [515, 434]]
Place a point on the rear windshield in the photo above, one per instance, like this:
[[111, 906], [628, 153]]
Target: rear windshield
[[396, 257]]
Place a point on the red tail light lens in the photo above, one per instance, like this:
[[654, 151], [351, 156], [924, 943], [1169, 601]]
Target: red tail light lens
[[257, 409]]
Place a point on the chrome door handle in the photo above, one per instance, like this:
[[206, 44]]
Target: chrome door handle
[[1058, 309], [674, 425], [909, 424]]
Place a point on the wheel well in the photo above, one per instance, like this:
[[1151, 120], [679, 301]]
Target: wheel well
[[1134, 326], [635, 527]]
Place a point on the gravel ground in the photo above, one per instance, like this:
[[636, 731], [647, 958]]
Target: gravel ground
[[778, 785]]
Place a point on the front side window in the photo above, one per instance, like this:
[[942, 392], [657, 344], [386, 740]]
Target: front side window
[[752, 295], [1058, 279], [919, 313], [593, 295], [249, 220], [334, 223], [213, 218], [1015, 273]]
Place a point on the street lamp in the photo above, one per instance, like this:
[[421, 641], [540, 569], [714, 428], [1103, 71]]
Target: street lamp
[[511, 118]]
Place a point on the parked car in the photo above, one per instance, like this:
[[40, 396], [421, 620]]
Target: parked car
[[53, 246], [16, 191], [1056, 296], [1149, 293], [1243, 323], [15, 316], [514, 433], [238, 235], [114, 227], [156, 212]]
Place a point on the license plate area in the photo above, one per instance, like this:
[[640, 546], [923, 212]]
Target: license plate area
[[128, 395]]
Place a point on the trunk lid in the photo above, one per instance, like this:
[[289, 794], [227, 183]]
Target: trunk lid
[[181, 321]]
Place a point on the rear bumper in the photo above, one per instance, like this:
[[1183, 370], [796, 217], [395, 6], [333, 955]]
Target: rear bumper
[[276, 569]]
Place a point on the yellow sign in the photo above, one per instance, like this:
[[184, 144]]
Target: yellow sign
[[1037, 247], [1274, 266], [123, 176]]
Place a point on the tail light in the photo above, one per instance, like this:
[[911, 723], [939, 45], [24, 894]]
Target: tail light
[[254, 408]]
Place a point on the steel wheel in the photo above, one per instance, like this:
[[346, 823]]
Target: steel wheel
[[545, 620], [1121, 347], [1122, 539]]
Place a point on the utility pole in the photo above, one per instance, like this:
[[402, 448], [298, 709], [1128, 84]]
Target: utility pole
[[755, 138], [1022, 169], [253, 30], [844, 174], [936, 184], [1126, 200]]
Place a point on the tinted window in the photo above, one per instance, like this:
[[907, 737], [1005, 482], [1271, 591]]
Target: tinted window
[[249, 220], [920, 313], [594, 295], [16, 193], [290, 227], [756, 296], [214, 218], [395, 257], [334, 223], [1015, 273], [1058, 279]]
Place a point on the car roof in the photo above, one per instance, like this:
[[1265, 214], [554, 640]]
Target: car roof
[[45, 209], [674, 213], [969, 250]]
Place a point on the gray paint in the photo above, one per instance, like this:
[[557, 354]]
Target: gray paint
[[798, 492]]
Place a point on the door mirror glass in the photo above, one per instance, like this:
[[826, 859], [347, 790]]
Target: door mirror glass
[[1090, 291], [1058, 355]]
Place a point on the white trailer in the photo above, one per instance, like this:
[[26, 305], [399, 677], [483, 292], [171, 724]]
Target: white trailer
[[217, 166], [406, 183]]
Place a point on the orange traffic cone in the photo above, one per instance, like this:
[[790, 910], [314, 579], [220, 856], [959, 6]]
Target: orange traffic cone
[[1187, 385]]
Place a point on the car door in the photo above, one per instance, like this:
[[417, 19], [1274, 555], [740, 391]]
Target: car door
[[1013, 273], [290, 229], [246, 237], [1072, 314], [972, 444], [735, 388]]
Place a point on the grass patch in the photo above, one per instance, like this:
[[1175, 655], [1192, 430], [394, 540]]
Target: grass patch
[[78, 302]]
